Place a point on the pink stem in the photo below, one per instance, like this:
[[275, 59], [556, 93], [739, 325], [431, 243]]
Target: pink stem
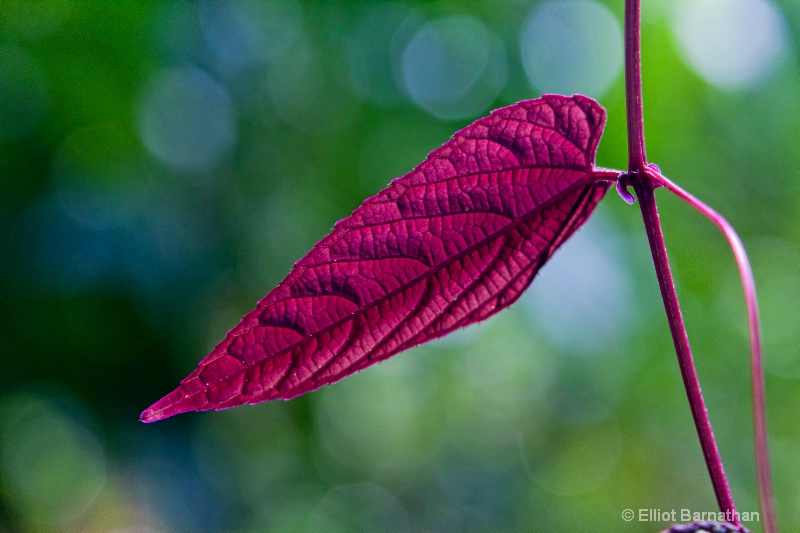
[[757, 370], [644, 192], [637, 167], [633, 87]]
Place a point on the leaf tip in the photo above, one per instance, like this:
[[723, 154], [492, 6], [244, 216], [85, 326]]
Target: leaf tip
[[174, 403], [149, 415], [154, 413]]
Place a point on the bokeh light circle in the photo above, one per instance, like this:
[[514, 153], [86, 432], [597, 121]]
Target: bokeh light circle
[[575, 311], [731, 43], [454, 67], [186, 119], [572, 47], [52, 465]]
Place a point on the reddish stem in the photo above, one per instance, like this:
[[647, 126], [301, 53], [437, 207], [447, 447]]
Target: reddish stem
[[633, 87], [647, 202], [637, 166], [757, 370]]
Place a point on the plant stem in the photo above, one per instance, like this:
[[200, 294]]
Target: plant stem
[[637, 166], [644, 192], [759, 395], [633, 87]]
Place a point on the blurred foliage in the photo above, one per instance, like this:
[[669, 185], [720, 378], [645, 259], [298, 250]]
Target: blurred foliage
[[163, 164]]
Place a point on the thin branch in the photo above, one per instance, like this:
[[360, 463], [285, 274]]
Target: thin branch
[[637, 158]]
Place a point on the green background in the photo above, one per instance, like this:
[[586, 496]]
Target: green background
[[126, 256]]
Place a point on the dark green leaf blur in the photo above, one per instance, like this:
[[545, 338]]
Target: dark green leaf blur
[[163, 164]]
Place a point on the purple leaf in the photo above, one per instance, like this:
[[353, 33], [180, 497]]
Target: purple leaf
[[450, 243]]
